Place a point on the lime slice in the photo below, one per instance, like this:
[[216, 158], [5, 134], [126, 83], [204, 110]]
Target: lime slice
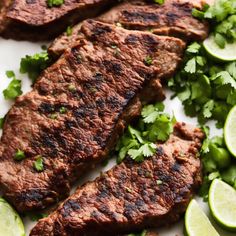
[[197, 223], [10, 221], [230, 131], [222, 201], [226, 54]]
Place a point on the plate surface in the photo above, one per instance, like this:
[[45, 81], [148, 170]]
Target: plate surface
[[10, 54]]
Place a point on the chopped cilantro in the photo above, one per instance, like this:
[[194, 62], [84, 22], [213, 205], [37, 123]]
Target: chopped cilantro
[[139, 142], [10, 74], [13, 90], [206, 88], [2, 122], [72, 88], [53, 116], [38, 164], [35, 216], [34, 65], [19, 155], [62, 110], [69, 31], [159, 182], [54, 3], [159, 1], [222, 16], [148, 60]]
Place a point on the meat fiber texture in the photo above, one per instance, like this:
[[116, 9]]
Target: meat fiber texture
[[78, 109], [33, 20], [132, 196], [173, 18]]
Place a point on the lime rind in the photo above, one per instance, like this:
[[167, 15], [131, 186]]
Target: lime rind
[[226, 54], [222, 202], [197, 223], [230, 131], [10, 222]]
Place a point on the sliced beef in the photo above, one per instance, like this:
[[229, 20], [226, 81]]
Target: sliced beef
[[78, 109], [173, 18], [133, 196], [34, 20]]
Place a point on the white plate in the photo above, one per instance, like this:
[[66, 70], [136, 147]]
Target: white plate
[[10, 54]]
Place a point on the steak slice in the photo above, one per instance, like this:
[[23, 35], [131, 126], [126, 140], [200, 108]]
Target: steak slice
[[78, 109], [173, 18], [132, 196], [34, 20]]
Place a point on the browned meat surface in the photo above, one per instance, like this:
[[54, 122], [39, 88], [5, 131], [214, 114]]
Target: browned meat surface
[[78, 108], [132, 196], [173, 18], [34, 20]]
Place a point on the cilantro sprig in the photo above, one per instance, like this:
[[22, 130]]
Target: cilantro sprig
[[222, 18], [217, 163], [139, 142], [207, 89], [34, 65], [14, 88]]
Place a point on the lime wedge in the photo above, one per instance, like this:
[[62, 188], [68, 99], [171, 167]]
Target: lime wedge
[[230, 131], [197, 223], [10, 221], [226, 54], [222, 202]]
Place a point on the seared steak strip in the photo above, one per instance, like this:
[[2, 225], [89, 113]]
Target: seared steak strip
[[132, 196], [173, 18], [78, 109], [34, 20]]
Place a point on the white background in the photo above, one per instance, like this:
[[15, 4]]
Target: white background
[[10, 54]]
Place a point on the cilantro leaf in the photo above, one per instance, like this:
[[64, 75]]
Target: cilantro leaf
[[54, 3], [34, 65], [13, 90], [38, 164], [2, 122], [10, 74], [208, 108], [231, 68], [140, 142], [191, 66], [194, 48], [159, 1], [69, 31]]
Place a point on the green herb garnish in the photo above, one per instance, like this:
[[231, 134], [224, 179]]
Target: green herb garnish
[[207, 89], [139, 142], [19, 155], [69, 31], [54, 3], [159, 1], [148, 61], [10, 74], [62, 110], [222, 17], [13, 90], [2, 122], [34, 65], [38, 164]]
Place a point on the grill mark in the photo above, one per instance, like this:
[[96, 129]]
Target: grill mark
[[142, 15]]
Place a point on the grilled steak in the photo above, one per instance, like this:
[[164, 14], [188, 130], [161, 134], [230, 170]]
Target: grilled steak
[[173, 18], [34, 20], [132, 196], [78, 109]]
